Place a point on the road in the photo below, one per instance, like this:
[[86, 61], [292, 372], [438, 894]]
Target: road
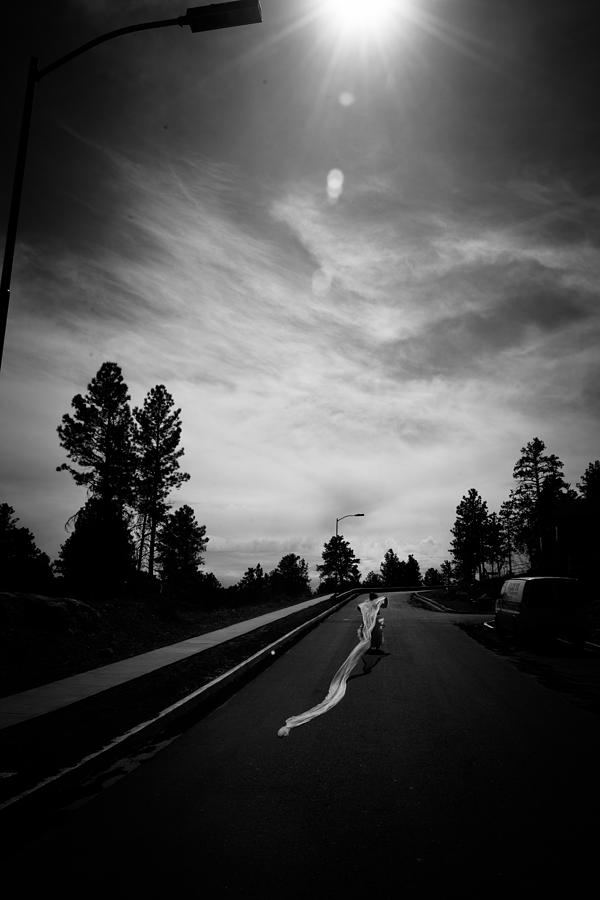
[[444, 767]]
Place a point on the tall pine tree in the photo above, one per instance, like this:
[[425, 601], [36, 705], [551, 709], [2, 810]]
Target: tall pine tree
[[98, 438], [157, 433], [540, 487], [468, 544]]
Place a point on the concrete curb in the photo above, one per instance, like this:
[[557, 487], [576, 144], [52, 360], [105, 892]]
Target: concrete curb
[[206, 697]]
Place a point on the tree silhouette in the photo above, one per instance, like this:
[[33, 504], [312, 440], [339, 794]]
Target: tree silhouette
[[157, 433], [446, 572], [584, 533], [339, 568], [181, 544], [494, 542], [97, 557], [432, 578], [533, 468], [392, 570], [253, 586], [98, 438], [509, 522], [468, 532], [290, 577], [589, 485], [373, 579], [24, 566], [412, 571], [540, 487]]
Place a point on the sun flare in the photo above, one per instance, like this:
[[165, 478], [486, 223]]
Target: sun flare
[[361, 17]]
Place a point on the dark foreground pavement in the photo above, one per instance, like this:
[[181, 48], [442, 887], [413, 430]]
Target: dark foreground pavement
[[443, 768]]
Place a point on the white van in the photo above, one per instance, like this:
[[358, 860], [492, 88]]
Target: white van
[[541, 607]]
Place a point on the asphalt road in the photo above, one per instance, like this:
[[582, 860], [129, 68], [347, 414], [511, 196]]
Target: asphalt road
[[443, 768]]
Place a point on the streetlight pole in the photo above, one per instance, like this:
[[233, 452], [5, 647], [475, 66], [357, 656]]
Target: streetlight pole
[[337, 549], [200, 18]]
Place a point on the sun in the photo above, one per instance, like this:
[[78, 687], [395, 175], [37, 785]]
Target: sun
[[363, 17]]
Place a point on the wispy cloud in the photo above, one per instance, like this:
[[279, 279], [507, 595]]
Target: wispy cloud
[[369, 354]]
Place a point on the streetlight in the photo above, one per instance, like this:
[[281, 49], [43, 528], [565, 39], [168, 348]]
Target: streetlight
[[349, 516], [199, 18], [337, 549]]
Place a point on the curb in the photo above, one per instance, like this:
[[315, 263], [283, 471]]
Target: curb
[[204, 698]]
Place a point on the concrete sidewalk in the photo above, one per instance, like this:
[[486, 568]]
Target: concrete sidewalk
[[48, 697]]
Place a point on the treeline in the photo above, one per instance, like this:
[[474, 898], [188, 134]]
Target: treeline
[[128, 461], [127, 539], [544, 527], [339, 569]]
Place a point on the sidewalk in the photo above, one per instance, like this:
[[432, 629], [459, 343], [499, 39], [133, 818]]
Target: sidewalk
[[48, 697]]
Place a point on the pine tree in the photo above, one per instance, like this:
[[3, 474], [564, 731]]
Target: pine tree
[[290, 577], [392, 570], [509, 523], [24, 566], [339, 567], [97, 557], [494, 542], [98, 438], [157, 433], [589, 486], [540, 487], [446, 571], [584, 533], [467, 545], [181, 544], [432, 578], [413, 571], [533, 468]]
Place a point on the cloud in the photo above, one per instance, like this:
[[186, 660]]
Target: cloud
[[371, 355]]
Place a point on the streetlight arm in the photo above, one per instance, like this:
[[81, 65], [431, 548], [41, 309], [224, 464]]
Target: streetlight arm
[[200, 18], [128, 29]]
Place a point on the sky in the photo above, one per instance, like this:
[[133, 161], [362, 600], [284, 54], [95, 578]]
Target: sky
[[363, 256]]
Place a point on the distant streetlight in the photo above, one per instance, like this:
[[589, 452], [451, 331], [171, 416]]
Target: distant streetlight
[[199, 18], [349, 516]]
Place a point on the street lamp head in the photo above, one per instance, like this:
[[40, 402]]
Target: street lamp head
[[223, 15], [359, 514]]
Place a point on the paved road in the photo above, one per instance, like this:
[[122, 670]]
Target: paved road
[[443, 767]]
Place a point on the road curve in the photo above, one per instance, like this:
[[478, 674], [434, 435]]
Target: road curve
[[442, 768]]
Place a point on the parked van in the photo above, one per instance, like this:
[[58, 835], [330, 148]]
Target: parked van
[[541, 607]]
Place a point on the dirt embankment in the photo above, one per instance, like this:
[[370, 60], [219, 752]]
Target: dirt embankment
[[43, 746], [43, 638]]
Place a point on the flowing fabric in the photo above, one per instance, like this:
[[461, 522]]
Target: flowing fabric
[[369, 610]]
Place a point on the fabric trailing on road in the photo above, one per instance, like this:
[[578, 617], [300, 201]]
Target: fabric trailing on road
[[369, 610]]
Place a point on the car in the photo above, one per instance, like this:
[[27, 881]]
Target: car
[[538, 608]]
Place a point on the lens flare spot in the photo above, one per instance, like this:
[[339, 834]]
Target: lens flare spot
[[335, 185]]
